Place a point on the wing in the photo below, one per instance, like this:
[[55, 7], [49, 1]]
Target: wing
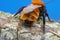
[[19, 11], [30, 8]]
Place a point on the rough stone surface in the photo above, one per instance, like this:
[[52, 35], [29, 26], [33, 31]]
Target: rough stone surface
[[8, 29]]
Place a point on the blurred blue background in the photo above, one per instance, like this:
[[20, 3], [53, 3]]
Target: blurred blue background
[[12, 6]]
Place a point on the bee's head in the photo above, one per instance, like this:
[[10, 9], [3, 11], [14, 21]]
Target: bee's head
[[28, 23]]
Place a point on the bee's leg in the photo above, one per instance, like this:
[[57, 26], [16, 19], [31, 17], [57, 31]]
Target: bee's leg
[[19, 11], [48, 17], [42, 14], [43, 28], [45, 12]]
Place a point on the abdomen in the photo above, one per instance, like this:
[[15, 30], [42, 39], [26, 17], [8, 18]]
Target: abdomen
[[31, 17]]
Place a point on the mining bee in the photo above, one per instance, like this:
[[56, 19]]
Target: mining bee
[[33, 12]]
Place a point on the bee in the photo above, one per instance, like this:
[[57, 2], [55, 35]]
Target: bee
[[33, 12]]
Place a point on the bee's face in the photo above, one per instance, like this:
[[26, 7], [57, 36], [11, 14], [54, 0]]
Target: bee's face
[[28, 23]]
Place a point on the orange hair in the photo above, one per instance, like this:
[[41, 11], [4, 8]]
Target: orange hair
[[37, 2]]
